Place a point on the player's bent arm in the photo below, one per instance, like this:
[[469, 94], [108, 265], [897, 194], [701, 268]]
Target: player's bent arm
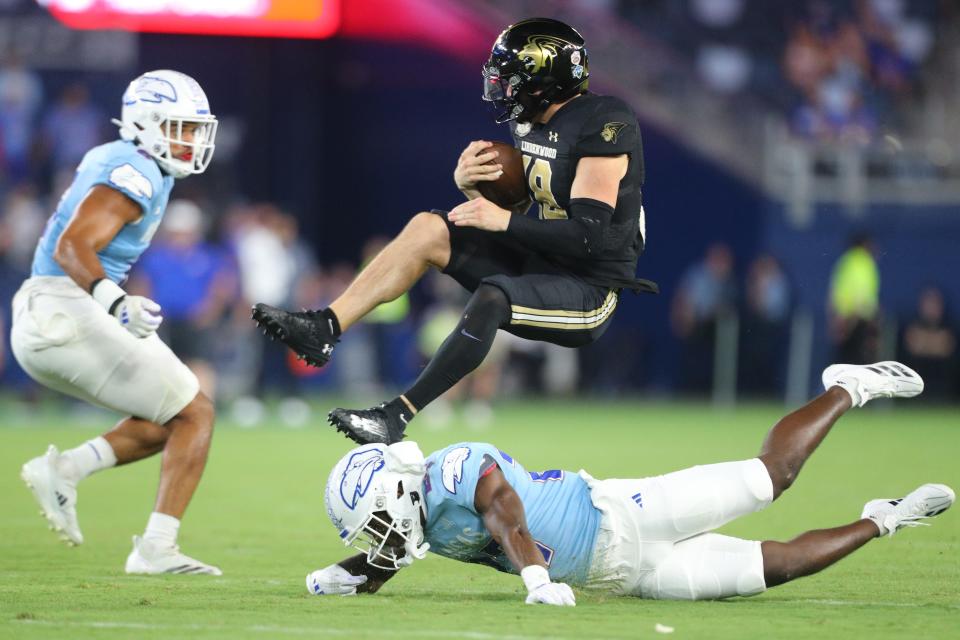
[[504, 517], [598, 178], [99, 217], [357, 566], [593, 199]]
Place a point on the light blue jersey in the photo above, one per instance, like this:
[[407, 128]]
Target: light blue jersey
[[560, 515], [118, 165]]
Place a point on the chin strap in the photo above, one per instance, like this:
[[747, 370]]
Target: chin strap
[[413, 551]]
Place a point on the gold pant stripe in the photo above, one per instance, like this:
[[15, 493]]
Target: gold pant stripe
[[553, 313], [567, 322]]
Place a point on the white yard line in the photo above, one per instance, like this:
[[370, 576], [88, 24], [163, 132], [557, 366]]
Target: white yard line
[[869, 603], [298, 631]]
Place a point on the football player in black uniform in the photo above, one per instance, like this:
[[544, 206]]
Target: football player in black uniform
[[554, 277]]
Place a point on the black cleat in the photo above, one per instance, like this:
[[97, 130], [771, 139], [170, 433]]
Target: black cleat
[[309, 333], [366, 426]]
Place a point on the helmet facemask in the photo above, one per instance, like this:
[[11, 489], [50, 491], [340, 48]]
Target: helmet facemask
[[199, 147], [391, 542]]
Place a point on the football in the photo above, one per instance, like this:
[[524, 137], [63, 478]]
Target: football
[[509, 191]]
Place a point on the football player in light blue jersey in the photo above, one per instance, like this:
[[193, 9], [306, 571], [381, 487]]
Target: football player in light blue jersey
[[650, 538], [77, 331]]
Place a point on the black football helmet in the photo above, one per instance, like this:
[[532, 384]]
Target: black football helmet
[[533, 64]]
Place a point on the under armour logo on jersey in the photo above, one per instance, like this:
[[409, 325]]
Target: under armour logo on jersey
[[553, 136], [327, 349]]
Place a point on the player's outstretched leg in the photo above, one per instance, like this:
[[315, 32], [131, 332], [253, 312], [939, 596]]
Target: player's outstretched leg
[[184, 458], [423, 243], [814, 551], [796, 436], [462, 352]]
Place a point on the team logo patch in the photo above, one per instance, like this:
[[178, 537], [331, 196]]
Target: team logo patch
[[523, 129], [451, 470], [129, 178], [358, 475], [577, 71], [575, 57], [152, 89], [611, 130]]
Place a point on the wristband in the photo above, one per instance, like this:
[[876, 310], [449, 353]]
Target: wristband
[[108, 293], [534, 576]]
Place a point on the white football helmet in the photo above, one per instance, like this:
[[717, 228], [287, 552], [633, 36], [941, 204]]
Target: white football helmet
[[376, 491], [157, 107]]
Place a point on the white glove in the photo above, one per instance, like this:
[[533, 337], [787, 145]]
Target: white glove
[[334, 580], [138, 315], [541, 591]]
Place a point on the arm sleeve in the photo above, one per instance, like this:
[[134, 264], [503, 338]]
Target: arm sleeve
[[580, 236]]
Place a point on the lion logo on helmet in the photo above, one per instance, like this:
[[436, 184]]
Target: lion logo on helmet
[[540, 52], [358, 475]]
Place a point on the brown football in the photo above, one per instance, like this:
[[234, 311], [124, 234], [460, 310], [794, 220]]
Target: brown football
[[509, 191]]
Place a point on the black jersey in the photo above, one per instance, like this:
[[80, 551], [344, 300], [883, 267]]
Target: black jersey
[[590, 125]]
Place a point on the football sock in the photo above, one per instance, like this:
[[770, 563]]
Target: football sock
[[397, 407], [465, 348], [91, 456], [332, 322], [162, 529], [852, 388]]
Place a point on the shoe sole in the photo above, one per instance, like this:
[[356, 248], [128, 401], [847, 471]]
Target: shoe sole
[[46, 511], [264, 316], [916, 388], [339, 424]]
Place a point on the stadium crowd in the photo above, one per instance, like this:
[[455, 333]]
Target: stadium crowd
[[835, 68]]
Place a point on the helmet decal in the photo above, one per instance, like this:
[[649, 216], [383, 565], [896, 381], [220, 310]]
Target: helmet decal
[[152, 89], [358, 475], [540, 52]]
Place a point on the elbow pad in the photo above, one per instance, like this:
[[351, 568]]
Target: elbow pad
[[594, 216]]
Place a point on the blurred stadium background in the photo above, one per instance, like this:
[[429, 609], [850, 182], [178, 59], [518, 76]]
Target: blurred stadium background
[[803, 185], [778, 135]]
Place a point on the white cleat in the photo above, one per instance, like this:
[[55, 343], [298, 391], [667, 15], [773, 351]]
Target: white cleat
[[891, 515], [864, 382], [56, 495], [148, 557]]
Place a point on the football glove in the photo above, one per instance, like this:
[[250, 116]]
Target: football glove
[[138, 315], [540, 590], [334, 580]]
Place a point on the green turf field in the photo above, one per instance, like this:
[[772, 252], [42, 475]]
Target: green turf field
[[259, 515]]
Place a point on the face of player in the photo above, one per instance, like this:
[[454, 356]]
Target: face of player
[[187, 135]]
